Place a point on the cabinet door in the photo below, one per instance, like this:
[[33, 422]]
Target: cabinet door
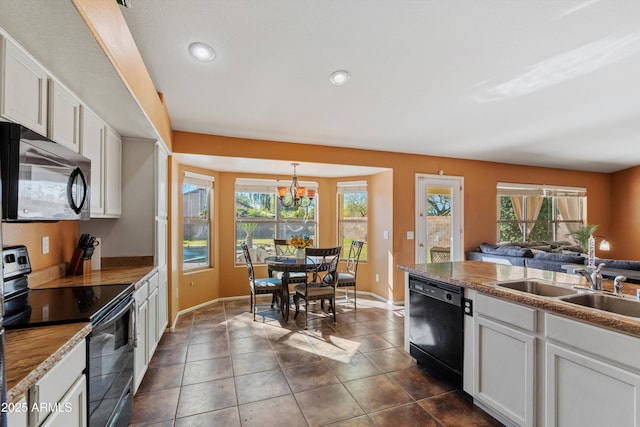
[[92, 146], [113, 173], [161, 242], [162, 177], [140, 353], [64, 116], [54, 385], [583, 391], [72, 409], [504, 370], [24, 88], [18, 413], [163, 299], [152, 324]]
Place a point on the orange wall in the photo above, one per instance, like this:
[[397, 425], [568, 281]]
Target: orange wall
[[380, 250], [625, 214], [63, 238], [480, 188]]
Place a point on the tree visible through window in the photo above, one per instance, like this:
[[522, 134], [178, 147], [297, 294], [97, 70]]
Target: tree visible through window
[[353, 211], [538, 213], [196, 212], [260, 218]]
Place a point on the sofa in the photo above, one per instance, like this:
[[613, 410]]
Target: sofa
[[546, 256]]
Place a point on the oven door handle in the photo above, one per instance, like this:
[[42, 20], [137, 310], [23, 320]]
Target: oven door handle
[[112, 318]]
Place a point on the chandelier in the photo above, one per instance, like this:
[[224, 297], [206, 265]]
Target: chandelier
[[296, 195]]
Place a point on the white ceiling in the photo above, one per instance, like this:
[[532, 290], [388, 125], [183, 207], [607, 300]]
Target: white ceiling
[[536, 82], [539, 82]]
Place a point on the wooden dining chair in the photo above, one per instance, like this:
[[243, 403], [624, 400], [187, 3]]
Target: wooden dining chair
[[347, 279], [318, 260], [267, 285]]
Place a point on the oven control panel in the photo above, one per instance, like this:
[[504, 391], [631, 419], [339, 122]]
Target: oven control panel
[[15, 260]]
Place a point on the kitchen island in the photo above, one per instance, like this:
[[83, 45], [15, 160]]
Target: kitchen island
[[538, 360]]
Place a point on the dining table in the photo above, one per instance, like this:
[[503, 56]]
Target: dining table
[[290, 264]]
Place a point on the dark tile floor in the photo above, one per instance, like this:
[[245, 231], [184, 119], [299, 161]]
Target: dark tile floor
[[220, 368]]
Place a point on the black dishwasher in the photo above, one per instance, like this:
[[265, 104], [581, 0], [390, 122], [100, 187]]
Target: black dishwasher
[[436, 328]]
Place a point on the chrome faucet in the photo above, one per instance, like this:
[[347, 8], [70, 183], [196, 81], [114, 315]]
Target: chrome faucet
[[594, 276], [617, 285]]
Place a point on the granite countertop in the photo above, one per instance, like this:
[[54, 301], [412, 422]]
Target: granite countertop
[[32, 352], [111, 276], [478, 275]]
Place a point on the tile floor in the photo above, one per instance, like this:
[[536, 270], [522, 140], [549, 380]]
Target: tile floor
[[220, 368]]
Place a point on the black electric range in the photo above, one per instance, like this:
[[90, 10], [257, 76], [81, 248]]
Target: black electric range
[[39, 307], [25, 307], [110, 344]]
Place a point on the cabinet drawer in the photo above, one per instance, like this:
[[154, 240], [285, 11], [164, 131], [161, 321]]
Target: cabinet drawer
[[153, 282], [617, 347], [54, 385], [506, 312], [142, 293]]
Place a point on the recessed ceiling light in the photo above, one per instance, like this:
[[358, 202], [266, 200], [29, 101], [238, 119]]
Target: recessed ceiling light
[[202, 51], [339, 77]]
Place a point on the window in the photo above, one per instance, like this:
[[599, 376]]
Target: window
[[196, 212], [353, 210], [538, 213], [260, 218]]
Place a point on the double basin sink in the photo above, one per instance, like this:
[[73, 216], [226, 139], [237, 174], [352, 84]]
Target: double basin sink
[[596, 300]]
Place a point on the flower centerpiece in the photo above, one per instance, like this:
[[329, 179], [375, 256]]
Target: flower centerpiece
[[300, 242]]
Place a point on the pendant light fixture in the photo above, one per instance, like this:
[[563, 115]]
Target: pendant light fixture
[[295, 195]]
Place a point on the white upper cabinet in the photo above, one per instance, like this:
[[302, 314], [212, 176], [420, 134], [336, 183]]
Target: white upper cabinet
[[64, 116], [113, 173], [92, 133], [23, 88]]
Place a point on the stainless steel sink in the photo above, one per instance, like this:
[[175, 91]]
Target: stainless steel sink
[[537, 288], [612, 304]]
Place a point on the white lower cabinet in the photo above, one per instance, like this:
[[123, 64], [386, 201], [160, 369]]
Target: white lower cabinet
[[59, 398], [72, 409], [163, 301], [592, 375], [534, 368], [584, 391], [18, 413], [152, 337], [140, 354], [504, 363], [150, 324]]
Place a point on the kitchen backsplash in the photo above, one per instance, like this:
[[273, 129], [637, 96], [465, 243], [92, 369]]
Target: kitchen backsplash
[[62, 239]]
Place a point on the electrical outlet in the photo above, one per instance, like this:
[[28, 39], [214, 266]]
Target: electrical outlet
[[377, 277], [45, 245]]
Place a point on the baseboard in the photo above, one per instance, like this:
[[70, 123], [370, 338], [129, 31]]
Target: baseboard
[[223, 299]]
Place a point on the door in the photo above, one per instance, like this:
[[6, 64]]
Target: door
[[439, 214]]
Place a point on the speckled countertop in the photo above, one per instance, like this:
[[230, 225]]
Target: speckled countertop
[[32, 352], [478, 275], [100, 277]]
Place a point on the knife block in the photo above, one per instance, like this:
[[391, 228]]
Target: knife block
[[77, 265]]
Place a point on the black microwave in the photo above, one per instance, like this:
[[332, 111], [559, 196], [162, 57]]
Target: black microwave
[[41, 180]]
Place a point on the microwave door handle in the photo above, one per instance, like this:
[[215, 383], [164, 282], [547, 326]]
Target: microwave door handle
[[77, 173]]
